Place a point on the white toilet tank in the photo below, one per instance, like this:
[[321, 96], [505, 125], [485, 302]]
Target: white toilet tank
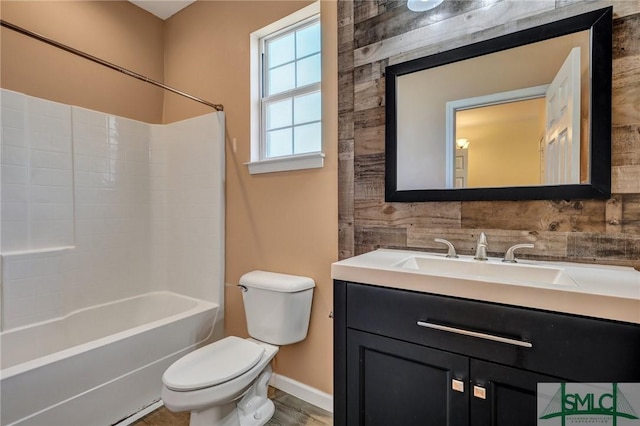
[[277, 306]]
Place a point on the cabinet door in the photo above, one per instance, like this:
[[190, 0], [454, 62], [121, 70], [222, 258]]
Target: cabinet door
[[391, 382], [509, 395]]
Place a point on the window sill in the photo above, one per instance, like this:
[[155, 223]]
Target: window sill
[[283, 164]]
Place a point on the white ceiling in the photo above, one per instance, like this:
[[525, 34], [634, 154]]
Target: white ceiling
[[163, 9]]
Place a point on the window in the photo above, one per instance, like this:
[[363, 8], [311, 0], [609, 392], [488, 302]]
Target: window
[[290, 107]]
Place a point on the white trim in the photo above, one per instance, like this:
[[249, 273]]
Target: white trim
[[304, 392], [256, 165], [282, 164], [300, 15], [140, 414]]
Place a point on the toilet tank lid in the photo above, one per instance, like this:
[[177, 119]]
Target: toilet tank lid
[[276, 282]]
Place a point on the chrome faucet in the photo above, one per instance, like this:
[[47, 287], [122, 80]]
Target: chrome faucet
[[510, 256], [481, 247], [451, 250]]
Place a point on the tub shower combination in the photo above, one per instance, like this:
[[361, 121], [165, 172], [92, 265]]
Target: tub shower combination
[[111, 258], [111, 254]]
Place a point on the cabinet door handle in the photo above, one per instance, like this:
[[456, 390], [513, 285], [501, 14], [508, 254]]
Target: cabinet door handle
[[457, 385], [479, 392], [475, 334]]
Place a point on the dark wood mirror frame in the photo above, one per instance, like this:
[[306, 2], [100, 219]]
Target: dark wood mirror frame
[[600, 24]]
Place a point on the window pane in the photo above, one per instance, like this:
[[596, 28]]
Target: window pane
[[307, 108], [279, 143], [280, 50], [292, 123], [281, 79], [308, 70], [279, 114], [308, 40], [307, 138]]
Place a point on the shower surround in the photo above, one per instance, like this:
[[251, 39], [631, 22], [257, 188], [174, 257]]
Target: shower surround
[[96, 208]]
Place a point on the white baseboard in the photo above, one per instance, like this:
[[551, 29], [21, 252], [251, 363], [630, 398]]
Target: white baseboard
[[140, 414], [304, 392]]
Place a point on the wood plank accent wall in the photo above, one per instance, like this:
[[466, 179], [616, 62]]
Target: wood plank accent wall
[[375, 33]]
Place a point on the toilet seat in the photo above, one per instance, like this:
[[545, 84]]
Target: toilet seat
[[213, 364]]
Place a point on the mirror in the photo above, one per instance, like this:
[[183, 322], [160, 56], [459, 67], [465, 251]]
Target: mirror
[[522, 116]]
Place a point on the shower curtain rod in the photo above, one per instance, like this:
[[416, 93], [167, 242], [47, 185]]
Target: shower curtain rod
[[217, 107]]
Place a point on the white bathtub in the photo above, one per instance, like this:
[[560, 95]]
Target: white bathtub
[[99, 365]]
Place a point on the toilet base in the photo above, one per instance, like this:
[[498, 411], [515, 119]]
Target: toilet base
[[222, 415], [254, 409]]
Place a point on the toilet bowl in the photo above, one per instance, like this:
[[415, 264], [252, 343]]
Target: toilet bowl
[[212, 396], [225, 383]]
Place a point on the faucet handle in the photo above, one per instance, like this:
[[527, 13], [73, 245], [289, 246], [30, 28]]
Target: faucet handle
[[510, 257], [452, 250], [481, 247]]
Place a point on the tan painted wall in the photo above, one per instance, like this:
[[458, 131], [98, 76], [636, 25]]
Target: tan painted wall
[[115, 31], [282, 222], [504, 155]]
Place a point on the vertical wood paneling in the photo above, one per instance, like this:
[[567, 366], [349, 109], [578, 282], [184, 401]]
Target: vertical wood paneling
[[346, 174], [382, 32]]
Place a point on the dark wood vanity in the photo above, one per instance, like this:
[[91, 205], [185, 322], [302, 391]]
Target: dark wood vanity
[[468, 362]]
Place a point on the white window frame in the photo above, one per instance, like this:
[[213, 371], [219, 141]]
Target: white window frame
[[258, 163]]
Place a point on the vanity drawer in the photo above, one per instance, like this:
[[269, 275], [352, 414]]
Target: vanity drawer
[[566, 346]]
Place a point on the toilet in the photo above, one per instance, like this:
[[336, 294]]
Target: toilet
[[225, 383]]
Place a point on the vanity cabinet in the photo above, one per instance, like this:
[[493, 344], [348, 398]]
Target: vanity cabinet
[[467, 363]]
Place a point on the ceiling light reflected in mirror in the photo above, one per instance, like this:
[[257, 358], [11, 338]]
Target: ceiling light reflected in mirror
[[462, 143]]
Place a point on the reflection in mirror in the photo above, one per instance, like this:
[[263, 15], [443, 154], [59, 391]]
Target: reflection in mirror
[[534, 106], [425, 96], [504, 145]]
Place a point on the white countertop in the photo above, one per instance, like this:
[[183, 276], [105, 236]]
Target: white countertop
[[610, 292]]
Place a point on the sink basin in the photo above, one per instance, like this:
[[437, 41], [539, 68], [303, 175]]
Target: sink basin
[[512, 272]]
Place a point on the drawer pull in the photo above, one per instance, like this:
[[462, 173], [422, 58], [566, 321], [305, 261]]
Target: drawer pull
[[457, 385], [475, 334]]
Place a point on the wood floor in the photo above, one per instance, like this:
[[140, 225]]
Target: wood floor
[[290, 411]]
